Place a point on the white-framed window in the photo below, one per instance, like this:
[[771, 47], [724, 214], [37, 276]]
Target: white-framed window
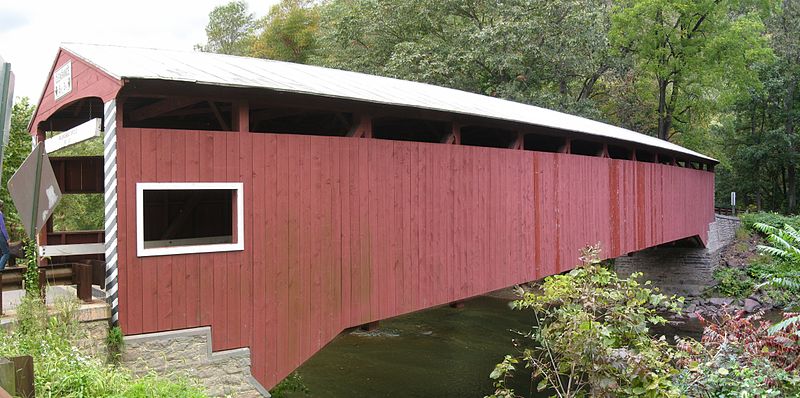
[[190, 217]]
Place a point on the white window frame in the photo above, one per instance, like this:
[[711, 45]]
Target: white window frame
[[141, 251]]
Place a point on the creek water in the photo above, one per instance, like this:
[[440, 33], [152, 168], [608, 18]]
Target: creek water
[[441, 352]]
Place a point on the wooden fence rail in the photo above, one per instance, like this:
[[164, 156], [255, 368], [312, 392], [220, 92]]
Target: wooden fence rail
[[83, 275]]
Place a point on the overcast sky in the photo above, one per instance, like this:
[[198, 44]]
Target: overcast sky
[[31, 30]]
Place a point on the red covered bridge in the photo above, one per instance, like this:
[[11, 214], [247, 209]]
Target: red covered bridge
[[281, 204]]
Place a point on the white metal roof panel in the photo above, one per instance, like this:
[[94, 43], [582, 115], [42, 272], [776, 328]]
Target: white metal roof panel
[[227, 70]]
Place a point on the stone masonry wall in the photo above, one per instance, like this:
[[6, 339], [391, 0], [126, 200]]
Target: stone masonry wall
[[183, 352], [682, 271], [188, 353]]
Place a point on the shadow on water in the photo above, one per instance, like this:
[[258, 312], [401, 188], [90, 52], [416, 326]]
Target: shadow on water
[[442, 352]]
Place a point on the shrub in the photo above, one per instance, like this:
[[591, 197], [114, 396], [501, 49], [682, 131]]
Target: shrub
[[61, 370], [742, 353], [733, 282], [769, 218], [591, 336]]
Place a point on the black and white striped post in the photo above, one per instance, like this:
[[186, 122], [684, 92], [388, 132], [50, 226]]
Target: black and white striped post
[[110, 174]]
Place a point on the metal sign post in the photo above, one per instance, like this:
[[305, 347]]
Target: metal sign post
[[6, 106], [733, 202]]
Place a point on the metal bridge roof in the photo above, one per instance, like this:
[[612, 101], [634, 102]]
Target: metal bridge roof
[[233, 71]]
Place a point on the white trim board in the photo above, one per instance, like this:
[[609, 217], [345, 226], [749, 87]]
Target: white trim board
[[142, 251], [72, 250]]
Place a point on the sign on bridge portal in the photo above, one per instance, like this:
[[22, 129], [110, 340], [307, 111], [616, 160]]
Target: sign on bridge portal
[[34, 190]]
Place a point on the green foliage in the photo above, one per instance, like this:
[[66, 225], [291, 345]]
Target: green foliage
[[550, 53], [79, 212], [114, 343], [741, 355], [785, 243], [230, 30], [61, 370], [30, 281], [289, 32], [749, 220], [591, 336], [733, 282], [18, 148], [291, 384], [692, 51]]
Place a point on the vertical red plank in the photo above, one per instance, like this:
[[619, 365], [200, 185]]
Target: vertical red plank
[[233, 262], [192, 266], [282, 261], [335, 307], [207, 264], [259, 313], [123, 265], [219, 289], [342, 150], [178, 174], [273, 239], [365, 243], [148, 266], [246, 259], [163, 264]]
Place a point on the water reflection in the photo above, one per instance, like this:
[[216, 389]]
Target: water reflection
[[443, 352]]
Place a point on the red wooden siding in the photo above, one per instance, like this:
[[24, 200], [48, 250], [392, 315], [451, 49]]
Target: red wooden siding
[[86, 81], [344, 231]]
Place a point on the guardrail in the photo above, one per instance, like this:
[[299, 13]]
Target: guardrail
[[725, 211], [82, 274]]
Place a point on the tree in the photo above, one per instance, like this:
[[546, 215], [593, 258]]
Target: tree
[[18, 148], [691, 49], [289, 32], [549, 53], [229, 30], [785, 29]]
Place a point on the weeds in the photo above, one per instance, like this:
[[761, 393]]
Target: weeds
[[62, 370]]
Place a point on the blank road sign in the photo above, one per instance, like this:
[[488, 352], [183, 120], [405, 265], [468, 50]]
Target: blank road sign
[[21, 187]]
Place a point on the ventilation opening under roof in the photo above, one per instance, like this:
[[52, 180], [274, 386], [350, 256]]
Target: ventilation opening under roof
[[544, 143], [619, 152], [645, 156], [390, 128], [487, 137], [300, 121], [586, 148], [178, 113]]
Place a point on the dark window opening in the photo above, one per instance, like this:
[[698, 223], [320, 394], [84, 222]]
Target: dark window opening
[[645, 156], [665, 159], [487, 137], [300, 121], [586, 148], [178, 113], [410, 130], [544, 143], [618, 152], [188, 217]]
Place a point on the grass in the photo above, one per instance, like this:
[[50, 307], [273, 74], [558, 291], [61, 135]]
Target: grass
[[62, 370]]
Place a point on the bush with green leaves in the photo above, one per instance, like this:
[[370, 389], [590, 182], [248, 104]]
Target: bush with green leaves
[[591, 336], [62, 370], [733, 282], [741, 355], [749, 220]]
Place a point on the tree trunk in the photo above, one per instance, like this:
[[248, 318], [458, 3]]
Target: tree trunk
[[789, 129], [664, 120]]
